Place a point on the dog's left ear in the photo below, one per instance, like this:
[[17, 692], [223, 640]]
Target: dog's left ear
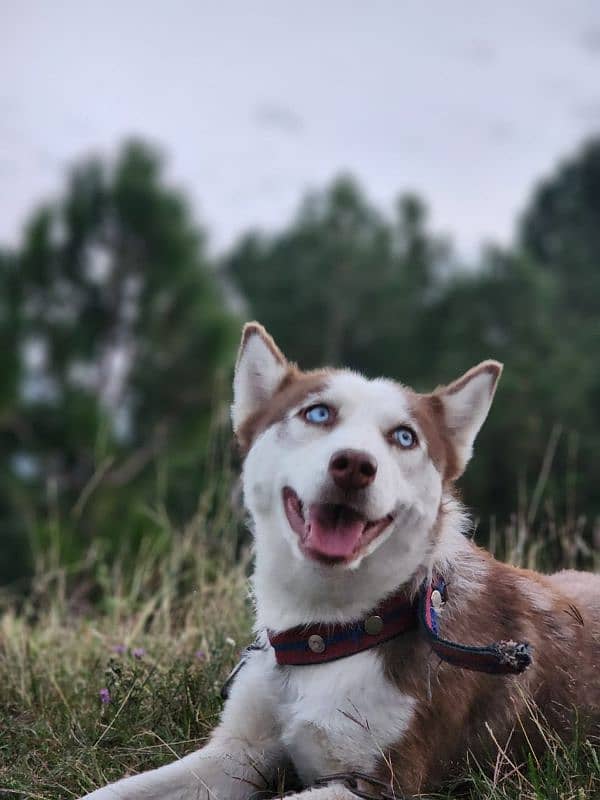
[[466, 403], [259, 370]]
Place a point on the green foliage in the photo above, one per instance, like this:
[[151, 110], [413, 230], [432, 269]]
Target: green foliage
[[119, 341], [506, 310], [342, 285], [560, 230], [118, 345]]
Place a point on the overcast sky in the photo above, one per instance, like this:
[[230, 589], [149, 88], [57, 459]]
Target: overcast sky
[[466, 102]]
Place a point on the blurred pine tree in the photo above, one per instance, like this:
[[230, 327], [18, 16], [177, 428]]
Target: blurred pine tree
[[114, 333]]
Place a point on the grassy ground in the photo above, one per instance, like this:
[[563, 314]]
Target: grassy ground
[[104, 674]]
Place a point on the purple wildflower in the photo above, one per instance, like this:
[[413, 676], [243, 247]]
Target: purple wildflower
[[104, 696], [138, 652], [200, 655], [119, 649]]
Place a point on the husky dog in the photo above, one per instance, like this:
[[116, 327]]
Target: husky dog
[[374, 611]]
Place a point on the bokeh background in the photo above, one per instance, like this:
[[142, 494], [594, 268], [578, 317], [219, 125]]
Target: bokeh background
[[398, 187]]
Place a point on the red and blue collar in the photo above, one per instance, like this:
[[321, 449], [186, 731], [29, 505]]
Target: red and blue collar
[[319, 643]]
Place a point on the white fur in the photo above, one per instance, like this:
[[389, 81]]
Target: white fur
[[343, 714], [295, 454], [340, 713], [335, 792], [258, 371], [467, 408]]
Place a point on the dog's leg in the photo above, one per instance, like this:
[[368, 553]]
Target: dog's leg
[[238, 762]]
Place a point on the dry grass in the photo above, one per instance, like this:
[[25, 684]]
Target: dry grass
[[161, 637]]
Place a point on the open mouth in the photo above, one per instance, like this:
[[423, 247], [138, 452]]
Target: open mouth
[[330, 532]]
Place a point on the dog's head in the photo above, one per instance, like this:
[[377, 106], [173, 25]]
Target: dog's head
[[337, 465]]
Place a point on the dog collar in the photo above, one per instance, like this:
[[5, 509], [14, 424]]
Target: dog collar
[[319, 643], [322, 642]]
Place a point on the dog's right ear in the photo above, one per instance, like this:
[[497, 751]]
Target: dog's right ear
[[466, 403], [259, 370]]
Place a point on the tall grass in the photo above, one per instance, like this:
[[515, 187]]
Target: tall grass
[[544, 534], [565, 770], [153, 639], [107, 669]]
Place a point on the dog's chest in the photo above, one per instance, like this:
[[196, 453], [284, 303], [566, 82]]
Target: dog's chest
[[340, 715]]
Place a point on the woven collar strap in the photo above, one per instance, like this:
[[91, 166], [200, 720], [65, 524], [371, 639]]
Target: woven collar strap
[[498, 658], [322, 642]]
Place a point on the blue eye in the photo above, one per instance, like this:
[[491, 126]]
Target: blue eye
[[404, 437], [319, 414]]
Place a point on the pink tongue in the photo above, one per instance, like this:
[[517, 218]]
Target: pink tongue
[[333, 533]]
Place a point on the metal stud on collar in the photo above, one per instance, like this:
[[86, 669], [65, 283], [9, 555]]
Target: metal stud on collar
[[436, 599], [373, 625], [316, 643]]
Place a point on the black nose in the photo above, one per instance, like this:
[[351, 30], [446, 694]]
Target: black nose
[[352, 469]]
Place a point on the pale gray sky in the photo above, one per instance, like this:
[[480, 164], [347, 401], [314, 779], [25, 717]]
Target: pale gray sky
[[466, 102]]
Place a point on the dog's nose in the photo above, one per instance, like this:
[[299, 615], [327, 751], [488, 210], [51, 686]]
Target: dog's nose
[[352, 469]]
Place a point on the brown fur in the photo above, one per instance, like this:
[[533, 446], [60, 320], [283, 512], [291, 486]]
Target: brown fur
[[493, 368], [459, 711], [561, 621], [255, 328], [293, 388], [428, 410]]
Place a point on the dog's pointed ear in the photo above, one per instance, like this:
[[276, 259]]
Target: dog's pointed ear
[[466, 403], [259, 369]]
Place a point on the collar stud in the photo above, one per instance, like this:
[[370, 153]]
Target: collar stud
[[437, 600], [373, 625], [316, 643]]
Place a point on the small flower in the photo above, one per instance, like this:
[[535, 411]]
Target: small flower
[[200, 655], [119, 649], [104, 696], [138, 652], [230, 641]]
